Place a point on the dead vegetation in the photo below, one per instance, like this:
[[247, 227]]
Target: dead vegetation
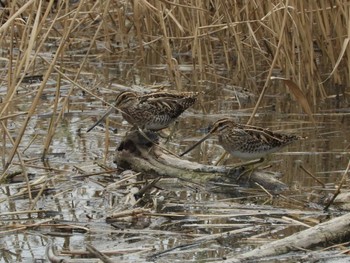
[[62, 61]]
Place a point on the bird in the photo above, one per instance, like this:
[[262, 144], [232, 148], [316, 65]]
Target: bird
[[152, 111], [245, 141]]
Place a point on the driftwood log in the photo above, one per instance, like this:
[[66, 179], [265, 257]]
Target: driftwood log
[[324, 234], [140, 155]]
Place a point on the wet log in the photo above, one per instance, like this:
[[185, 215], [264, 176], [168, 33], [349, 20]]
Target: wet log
[[140, 155], [323, 234]]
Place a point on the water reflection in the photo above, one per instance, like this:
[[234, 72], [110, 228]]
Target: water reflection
[[85, 202]]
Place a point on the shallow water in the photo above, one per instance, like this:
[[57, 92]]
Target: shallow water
[[85, 202], [77, 174]]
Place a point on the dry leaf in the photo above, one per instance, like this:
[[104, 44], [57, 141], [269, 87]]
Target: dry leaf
[[299, 95]]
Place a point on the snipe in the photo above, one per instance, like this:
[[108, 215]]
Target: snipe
[[245, 141], [153, 111]]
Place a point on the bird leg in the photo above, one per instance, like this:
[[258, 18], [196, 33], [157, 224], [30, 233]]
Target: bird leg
[[172, 132], [154, 142], [222, 157], [250, 163]]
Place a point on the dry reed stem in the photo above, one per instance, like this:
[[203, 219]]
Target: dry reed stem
[[106, 139], [41, 167], [15, 15], [312, 176], [38, 196], [200, 240], [276, 56], [167, 49], [23, 166], [66, 100], [98, 254], [35, 102], [341, 183]]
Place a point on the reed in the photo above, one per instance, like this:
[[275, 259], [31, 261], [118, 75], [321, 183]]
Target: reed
[[220, 42]]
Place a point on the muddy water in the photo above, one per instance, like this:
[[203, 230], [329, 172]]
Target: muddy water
[[72, 198]]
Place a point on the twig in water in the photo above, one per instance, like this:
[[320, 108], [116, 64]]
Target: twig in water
[[98, 254], [337, 192], [311, 175]]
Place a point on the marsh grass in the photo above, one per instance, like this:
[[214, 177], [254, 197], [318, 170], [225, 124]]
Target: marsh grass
[[249, 40], [180, 45]]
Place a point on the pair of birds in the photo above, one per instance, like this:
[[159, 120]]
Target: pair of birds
[[156, 111]]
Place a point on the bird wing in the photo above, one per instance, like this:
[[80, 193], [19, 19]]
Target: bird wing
[[259, 133]]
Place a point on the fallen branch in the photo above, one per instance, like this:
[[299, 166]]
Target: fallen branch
[[334, 229], [142, 156]]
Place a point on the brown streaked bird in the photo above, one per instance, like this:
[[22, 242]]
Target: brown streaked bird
[[246, 141], [152, 111]]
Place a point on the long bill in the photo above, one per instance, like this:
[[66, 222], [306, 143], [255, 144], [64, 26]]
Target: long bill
[[109, 111], [197, 143]]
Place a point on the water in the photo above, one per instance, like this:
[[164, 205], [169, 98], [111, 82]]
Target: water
[[76, 176]]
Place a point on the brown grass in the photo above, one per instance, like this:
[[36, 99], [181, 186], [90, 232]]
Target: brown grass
[[222, 42]]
